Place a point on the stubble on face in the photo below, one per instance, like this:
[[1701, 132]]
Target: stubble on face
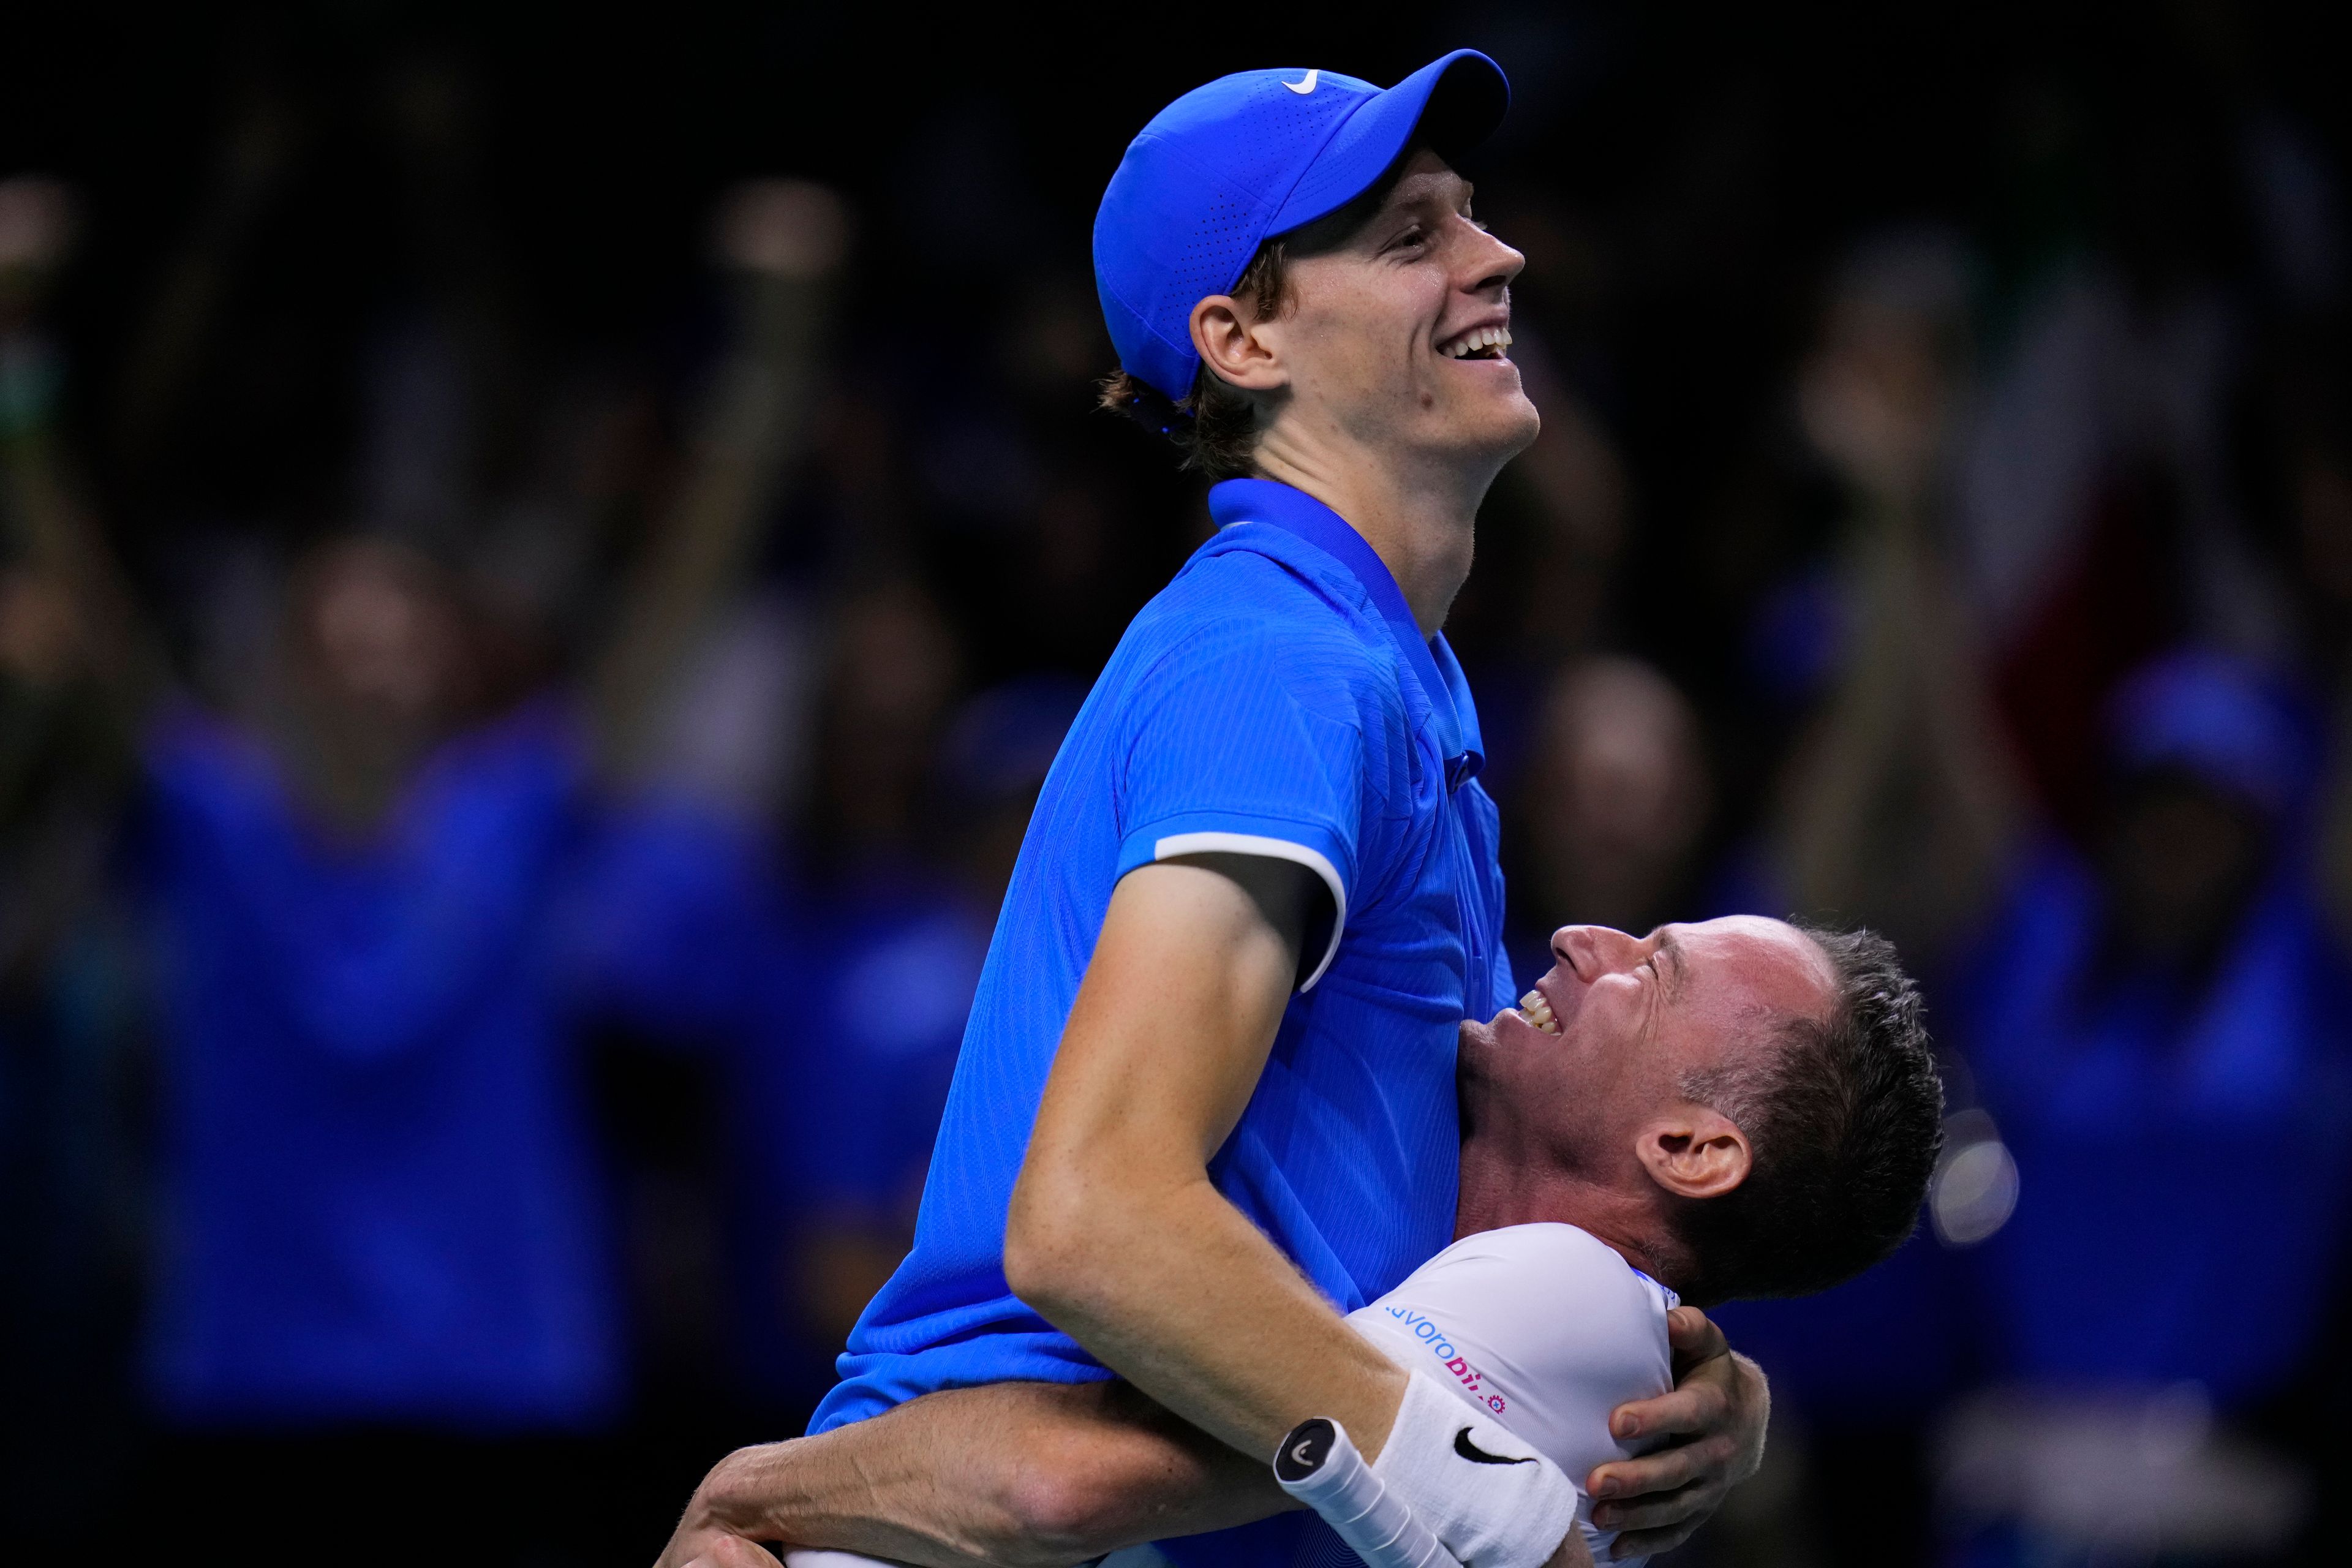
[[1638, 1017]]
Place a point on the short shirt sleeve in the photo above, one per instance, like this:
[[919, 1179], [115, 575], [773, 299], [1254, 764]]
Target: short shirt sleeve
[[1541, 1326], [1250, 746]]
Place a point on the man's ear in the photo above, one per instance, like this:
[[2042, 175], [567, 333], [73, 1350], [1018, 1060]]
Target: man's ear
[[1694, 1152], [1227, 338]]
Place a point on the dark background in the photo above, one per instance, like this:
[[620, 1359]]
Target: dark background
[[1673, 607]]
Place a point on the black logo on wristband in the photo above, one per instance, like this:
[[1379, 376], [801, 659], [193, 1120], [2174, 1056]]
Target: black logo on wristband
[[1478, 1455]]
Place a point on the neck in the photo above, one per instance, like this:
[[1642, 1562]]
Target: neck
[[1417, 512], [1508, 1179]]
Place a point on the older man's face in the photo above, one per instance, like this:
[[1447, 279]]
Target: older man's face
[[1607, 1038]]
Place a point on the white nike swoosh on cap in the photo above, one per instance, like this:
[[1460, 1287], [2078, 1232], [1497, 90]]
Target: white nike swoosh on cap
[[1303, 87]]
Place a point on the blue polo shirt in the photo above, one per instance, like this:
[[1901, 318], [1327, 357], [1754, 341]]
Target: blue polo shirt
[[1274, 698]]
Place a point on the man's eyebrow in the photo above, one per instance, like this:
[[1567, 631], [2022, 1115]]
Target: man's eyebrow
[[1673, 972], [1424, 189]]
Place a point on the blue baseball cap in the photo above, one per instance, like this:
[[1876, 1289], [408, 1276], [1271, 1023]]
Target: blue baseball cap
[[1250, 155], [2218, 718]]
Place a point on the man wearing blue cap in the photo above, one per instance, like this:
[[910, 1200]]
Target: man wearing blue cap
[[1208, 1085]]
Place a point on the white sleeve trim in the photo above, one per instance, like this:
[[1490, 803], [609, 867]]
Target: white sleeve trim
[[1180, 844]]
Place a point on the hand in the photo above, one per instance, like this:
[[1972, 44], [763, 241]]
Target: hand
[[1716, 1416], [705, 1536], [1572, 1552], [732, 1552], [698, 1544]]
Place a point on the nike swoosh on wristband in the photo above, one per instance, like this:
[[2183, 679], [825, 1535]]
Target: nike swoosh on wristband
[[1306, 87], [1478, 1455]]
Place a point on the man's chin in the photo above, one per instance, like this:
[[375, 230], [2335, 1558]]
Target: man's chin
[[1500, 429], [1507, 1031]]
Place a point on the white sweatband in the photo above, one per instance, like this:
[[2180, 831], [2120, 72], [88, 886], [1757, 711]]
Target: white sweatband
[[1491, 1499], [1319, 1466]]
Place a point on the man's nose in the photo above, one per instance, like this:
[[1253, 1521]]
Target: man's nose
[[1487, 266], [1494, 264], [1595, 951]]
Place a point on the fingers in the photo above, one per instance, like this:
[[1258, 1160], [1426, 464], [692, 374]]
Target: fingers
[[1651, 1542], [703, 1548], [1572, 1552], [1693, 1337], [1704, 1401], [1667, 1470], [1751, 1398], [732, 1551], [1684, 1508], [1659, 1500], [1697, 1409]]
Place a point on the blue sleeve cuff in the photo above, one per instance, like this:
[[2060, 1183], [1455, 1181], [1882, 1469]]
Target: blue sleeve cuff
[[1224, 833]]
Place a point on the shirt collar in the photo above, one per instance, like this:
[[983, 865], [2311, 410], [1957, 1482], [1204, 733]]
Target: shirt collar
[[1433, 664]]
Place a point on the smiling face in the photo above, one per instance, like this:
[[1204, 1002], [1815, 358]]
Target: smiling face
[[379, 635], [1593, 1066], [1396, 338]]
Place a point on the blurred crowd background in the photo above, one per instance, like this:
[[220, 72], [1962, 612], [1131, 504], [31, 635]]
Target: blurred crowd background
[[543, 557]]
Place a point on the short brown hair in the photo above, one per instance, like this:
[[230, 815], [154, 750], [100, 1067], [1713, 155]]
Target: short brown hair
[[1215, 427], [1845, 1121]]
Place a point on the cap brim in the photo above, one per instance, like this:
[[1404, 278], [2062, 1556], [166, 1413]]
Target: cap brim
[[1452, 103]]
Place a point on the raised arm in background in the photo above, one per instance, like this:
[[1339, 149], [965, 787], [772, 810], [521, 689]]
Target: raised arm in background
[[66, 565], [1900, 807], [783, 240]]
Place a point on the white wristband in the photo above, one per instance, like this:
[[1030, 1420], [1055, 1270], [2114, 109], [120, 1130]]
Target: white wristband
[[1490, 1497], [1319, 1466]]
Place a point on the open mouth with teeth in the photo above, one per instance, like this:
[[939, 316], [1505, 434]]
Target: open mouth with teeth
[[1537, 1011], [1479, 342]]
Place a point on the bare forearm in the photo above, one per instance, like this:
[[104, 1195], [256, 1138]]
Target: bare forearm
[[1022, 1474], [1116, 1234], [1176, 1292], [843, 1491]]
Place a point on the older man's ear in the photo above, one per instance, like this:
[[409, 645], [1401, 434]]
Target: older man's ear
[[1694, 1153]]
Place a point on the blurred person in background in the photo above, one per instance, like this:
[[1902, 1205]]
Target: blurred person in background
[[2144, 1017], [2159, 1030], [70, 1168], [2299, 460], [2152, 1013], [851, 1016], [1609, 807], [2317, 493], [1894, 805], [792, 975], [2094, 518], [858, 1025], [1894, 802], [868, 1019], [384, 1247], [820, 968]]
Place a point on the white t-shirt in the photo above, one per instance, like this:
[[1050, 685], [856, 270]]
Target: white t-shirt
[[1542, 1328]]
